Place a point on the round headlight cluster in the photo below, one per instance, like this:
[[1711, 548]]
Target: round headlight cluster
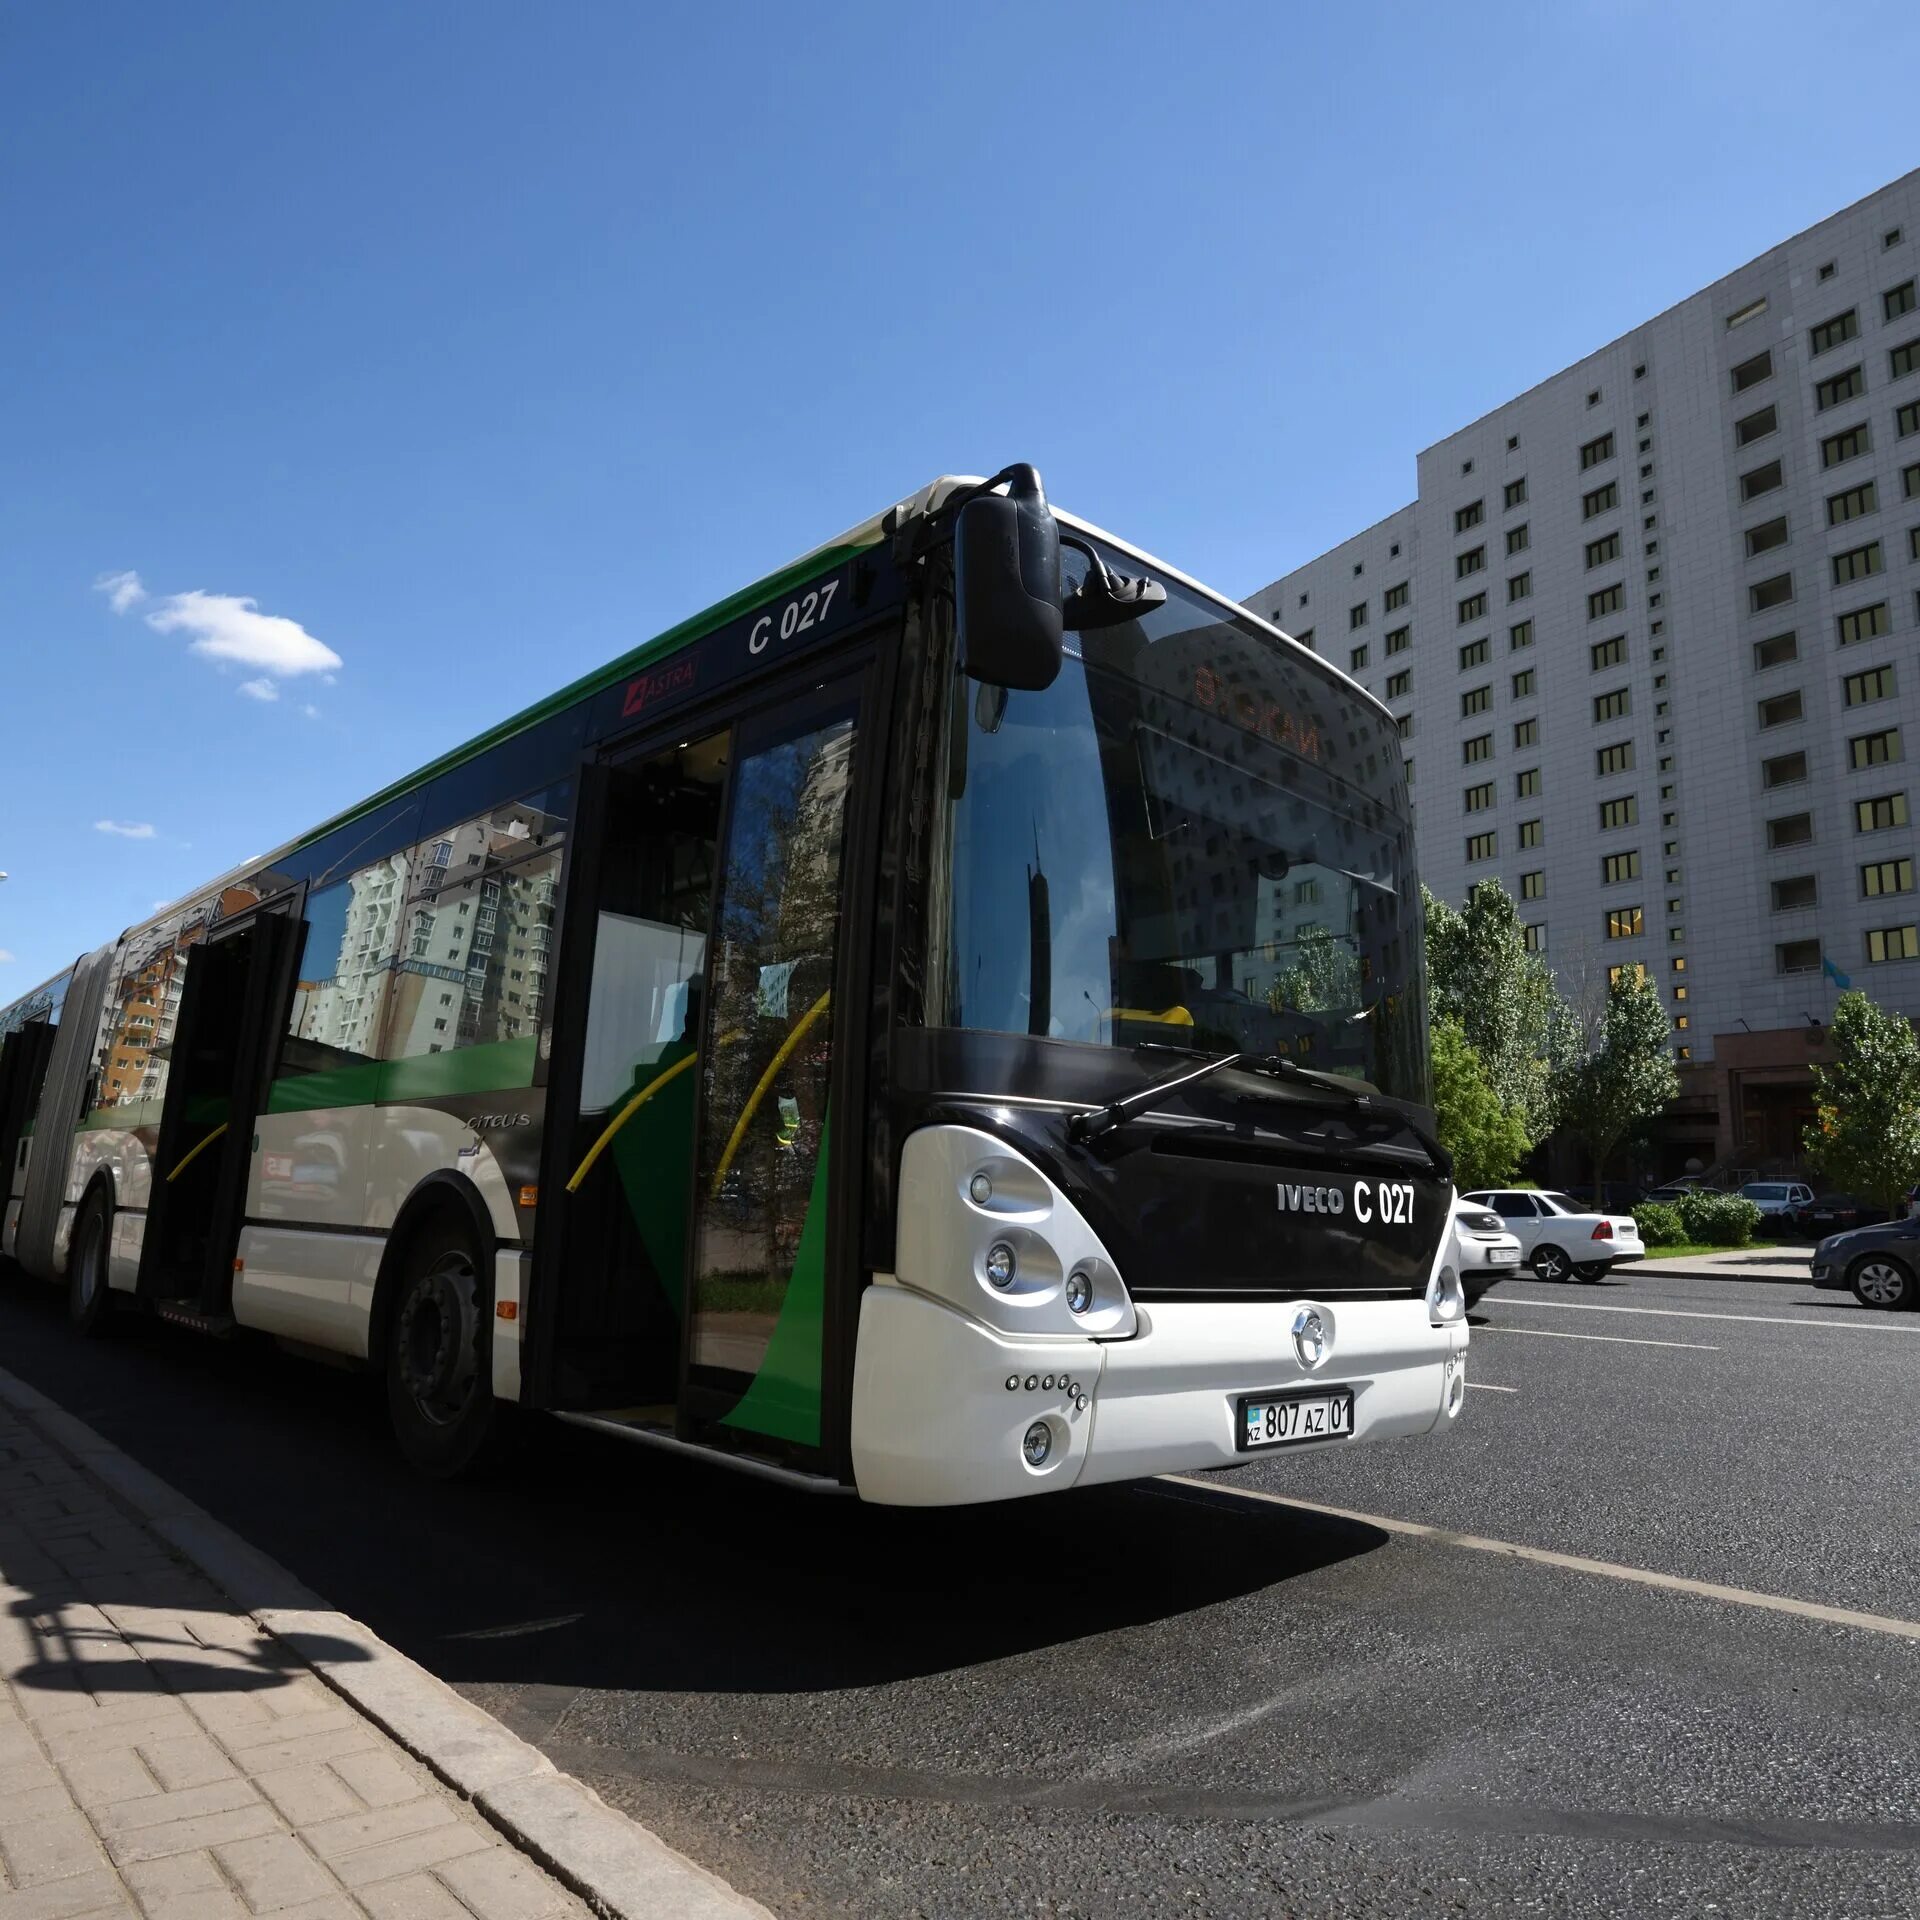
[[1079, 1290], [1037, 1444], [1446, 1298], [980, 1189], [1000, 1264]]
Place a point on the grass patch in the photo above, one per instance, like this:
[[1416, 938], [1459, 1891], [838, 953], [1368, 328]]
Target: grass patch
[[1692, 1249]]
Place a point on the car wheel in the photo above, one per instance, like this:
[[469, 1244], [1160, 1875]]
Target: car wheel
[[89, 1291], [1878, 1281], [1590, 1270], [439, 1356], [1549, 1263]]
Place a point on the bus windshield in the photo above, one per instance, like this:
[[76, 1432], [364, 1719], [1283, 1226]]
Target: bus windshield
[[1193, 837]]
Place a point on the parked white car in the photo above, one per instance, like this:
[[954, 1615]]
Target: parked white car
[[1559, 1239], [1483, 1250], [1776, 1198]]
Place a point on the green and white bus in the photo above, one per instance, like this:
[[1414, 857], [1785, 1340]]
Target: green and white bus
[[947, 1022]]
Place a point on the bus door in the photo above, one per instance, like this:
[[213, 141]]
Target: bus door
[[688, 1248], [23, 1071], [229, 1016]]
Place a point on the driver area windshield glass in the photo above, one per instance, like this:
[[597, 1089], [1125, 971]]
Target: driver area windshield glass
[[1191, 838]]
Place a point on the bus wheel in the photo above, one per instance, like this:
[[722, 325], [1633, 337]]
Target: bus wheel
[[89, 1294], [439, 1360]]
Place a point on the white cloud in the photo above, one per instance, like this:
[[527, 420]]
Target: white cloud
[[123, 590], [312, 713], [126, 829], [229, 626], [5, 956], [259, 689]]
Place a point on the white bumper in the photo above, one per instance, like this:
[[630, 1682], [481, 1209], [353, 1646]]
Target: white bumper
[[942, 1402]]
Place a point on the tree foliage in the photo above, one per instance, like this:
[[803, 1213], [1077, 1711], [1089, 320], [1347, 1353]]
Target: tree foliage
[[1503, 998], [1618, 1073], [1865, 1136], [1485, 1136]]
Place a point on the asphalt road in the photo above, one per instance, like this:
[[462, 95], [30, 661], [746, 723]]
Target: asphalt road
[[1171, 1699]]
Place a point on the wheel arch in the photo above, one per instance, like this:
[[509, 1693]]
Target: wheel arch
[[442, 1195]]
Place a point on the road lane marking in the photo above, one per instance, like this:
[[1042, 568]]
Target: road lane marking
[[1573, 1562], [1611, 1339], [1856, 1323], [515, 1631], [1487, 1386]]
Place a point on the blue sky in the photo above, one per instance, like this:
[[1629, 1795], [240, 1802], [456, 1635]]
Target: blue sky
[[409, 360]]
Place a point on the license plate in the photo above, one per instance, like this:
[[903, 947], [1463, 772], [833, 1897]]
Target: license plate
[[1283, 1420], [1504, 1257]]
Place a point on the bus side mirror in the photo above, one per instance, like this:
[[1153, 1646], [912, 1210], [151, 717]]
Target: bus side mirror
[[1007, 578]]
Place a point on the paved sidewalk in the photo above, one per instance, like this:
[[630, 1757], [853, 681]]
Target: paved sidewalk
[[1737, 1263], [161, 1755]]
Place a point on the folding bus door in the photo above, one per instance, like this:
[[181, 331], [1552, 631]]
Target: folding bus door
[[23, 1071]]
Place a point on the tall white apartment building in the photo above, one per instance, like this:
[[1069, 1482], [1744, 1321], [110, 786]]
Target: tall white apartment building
[[1650, 631]]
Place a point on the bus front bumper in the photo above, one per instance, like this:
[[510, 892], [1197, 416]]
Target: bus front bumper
[[943, 1406]]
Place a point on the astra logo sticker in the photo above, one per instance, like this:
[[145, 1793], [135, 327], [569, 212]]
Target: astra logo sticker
[[1256, 713], [679, 677]]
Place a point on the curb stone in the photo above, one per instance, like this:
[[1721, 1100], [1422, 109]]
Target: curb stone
[[613, 1863]]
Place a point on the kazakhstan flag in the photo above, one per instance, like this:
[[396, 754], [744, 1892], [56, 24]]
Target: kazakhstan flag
[[1834, 974]]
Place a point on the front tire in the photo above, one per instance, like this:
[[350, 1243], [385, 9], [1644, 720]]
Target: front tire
[[1549, 1263], [1591, 1271], [1878, 1281], [439, 1356], [89, 1288]]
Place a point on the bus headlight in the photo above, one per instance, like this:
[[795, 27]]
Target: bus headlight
[[1446, 1298], [1079, 1290], [1000, 1264], [1038, 1444]]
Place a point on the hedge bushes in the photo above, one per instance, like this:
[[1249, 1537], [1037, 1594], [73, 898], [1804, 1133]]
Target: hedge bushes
[[1659, 1224], [1700, 1218]]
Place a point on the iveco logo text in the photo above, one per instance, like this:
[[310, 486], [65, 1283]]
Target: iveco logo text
[[1388, 1201]]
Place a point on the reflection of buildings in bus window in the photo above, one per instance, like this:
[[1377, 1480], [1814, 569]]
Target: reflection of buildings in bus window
[[342, 1010]]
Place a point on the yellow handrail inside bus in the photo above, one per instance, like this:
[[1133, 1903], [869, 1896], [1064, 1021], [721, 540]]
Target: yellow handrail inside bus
[[198, 1151], [1167, 1017], [625, 1114], [759, 1093]]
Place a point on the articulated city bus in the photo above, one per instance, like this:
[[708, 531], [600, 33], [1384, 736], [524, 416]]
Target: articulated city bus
[[947, 1022]]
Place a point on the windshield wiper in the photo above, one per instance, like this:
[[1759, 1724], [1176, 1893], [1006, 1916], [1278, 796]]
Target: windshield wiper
[[1095, 1121]]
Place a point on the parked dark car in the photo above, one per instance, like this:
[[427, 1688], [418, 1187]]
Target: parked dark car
[[1828, 1213], [1881, 1264]]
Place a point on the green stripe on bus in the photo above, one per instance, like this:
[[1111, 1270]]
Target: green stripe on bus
[[499, 1067]]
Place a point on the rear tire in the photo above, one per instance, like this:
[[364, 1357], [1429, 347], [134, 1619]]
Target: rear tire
[[1591, 1271], [1879, 1281], [89, 1287], [1549, 1263], [439, 1356]]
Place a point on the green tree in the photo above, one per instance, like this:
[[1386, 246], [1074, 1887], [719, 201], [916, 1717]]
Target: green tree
[[1486, 1137], [1614, 1067], [1324, 976], [1865, 1135], [1481, 975]]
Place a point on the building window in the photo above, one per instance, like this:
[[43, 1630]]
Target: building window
[[1599, 552], [1874, 749], [1615, 759], [1789, 830], [1600, 500], [1791, 896], [1858, 563], [1749, 373], [1596, 451], [1840, 447], [1776, 652], [1519, 587], [1356, 659], [1865, 623], [1405, 724], [1306, 639], [1797, 956], [1475, 700], [1399, 640], [1396, 598], [1751, 311], [1607, 600], [1399, 683], [1533, 936], [1519, 538], [1625, 923], [1910, 482], [1907, 420], [1482, 846], [1885, 876], [1884, 810], [1474, 560], [1357, 616], [1523, 684], [1526, 785], [1608, 653], [1533, 886], [1615, 867], [1479, 799], [1756, 426], [1533, 833], [1480, 747], [1852, 504], [1903, 359], [1893, 943], [1765, 537], [1876, 683], [1519, 635], [1782, 709], [1770, 593], [1835, 332], [1760, 480], [1783, 770], [1473, 654], [1469, 516], [1612, 706], [1474, 607], [1623, 812], [1840, 389], [1526, 733], [1897, 300]]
